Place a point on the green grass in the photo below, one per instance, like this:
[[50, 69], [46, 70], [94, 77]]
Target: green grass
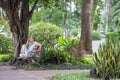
[[74, 76]]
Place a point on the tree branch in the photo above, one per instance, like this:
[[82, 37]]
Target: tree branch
[[32, 10]]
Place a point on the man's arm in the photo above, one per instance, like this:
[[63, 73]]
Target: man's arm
[[35, 47], [38, 46], [27, 43]]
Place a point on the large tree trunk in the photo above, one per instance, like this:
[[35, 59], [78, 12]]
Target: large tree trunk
[[85, 44], [18, 14], [108, 15], [19, 24]]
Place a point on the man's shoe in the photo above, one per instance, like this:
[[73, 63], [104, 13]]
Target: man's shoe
[[14, 68]]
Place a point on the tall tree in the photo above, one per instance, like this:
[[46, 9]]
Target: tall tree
[[108, 14], [85, 44], [18, 15], [65, 16]]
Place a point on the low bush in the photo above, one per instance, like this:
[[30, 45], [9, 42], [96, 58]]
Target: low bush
[[5, 44], [96, 35], [74, 32], [67, 44], [5, 57], [60, 52], [114, 36], [54, 55], [85, 60]]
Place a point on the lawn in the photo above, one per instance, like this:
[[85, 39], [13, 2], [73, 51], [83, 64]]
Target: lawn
[[74, 76]]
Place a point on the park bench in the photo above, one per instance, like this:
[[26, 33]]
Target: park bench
[[35, 59]]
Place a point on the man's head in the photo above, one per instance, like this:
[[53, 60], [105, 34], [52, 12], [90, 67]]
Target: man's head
[[32, 39]]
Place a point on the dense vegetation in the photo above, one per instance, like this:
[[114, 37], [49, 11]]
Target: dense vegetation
[[107, 60], [5, 44], [58, 26]]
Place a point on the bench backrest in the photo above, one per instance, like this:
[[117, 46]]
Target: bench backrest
[[39, 49]]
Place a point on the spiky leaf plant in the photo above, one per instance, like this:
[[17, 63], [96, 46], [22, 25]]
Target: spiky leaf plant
[[107, 60]]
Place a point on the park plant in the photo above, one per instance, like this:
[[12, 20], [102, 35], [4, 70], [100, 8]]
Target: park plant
[[67, 44], [5, 57], [74, 32], [60, 52], [47, 33], [5, 44], [96, 35], [107, 61], [114, 36]]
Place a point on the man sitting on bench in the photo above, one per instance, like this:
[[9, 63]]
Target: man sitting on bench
[[30, 48]]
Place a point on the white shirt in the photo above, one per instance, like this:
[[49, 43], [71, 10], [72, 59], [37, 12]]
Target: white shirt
[[31, 47]]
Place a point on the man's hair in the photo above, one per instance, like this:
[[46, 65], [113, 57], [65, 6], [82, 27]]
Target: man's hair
[[33, 37]]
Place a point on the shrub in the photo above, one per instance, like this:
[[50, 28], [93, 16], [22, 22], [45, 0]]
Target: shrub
[[47, 33], [114, 36], [67, 44], [5, 44], [96, 35], [85, 60], [5, 57], [56, 58], [60, 52], [107, 60], [63, 48], [64, 56], [74, 32]]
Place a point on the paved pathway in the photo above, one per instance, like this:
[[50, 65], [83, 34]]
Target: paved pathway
[[96, 44], [7, 74]]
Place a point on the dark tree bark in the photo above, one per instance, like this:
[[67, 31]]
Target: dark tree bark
[[85, 44], [18, 14]]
